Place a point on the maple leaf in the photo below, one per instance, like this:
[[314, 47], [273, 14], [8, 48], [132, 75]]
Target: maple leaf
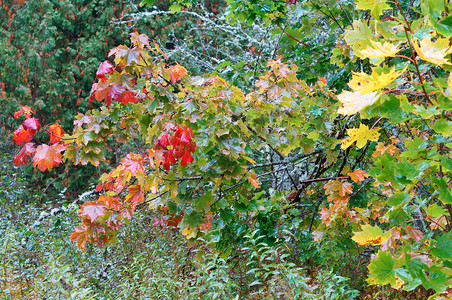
[[27, 150], [46, 157], [189, 232], [375, 6], [21, 136], [125, 55], [127, 212], [358, 175], [355, 102], [139, 40], [370, 235], [379, 79], [433, 52], [104, 68], [205, 226], [177, 72], [169, 159], [110, 202], [56, 132], [360, 135], [381, 149], [127, 97], [252, 178], [414, 233], [80, 236], [135, 195], [132, 163], [24, 109], [92, 209], [109, 92], [326, 216], [379, 50], [343, 188], [174, 220], [186, 158], [32, 125], [92, 93]]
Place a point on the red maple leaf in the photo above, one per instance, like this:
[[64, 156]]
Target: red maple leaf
[[47, 156], [56, 133], [92, 209], [104, 68], [108, 92], [32, 125], [21, 135], [135, 195], [126, 97], [27, 150], [186, 158]]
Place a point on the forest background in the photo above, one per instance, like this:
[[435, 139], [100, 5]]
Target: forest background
[[225, 149]]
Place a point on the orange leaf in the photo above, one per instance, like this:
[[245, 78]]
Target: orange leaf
[[177, 72], [27, 150], [56, 132], [21, 135], [252, 178], [343, 188], [135, 195], [80, 236], [358, 175], [47, 156]]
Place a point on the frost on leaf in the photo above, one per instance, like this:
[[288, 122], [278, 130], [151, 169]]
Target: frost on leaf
[[433, 52], [353, 102], [360, 135], [379, 50]]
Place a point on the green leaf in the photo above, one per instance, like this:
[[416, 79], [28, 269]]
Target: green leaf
[[443, 126], [375, 6], [381, 269], [443, 247], [435, 211], [203, 203], [399, 198], [441, 187]]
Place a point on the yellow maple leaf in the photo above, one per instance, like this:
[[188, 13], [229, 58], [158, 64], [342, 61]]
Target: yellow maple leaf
[[189, 232], [433, 52], [379, 79], [360, 135], [379, 50], [370, 235], [353, 102]]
